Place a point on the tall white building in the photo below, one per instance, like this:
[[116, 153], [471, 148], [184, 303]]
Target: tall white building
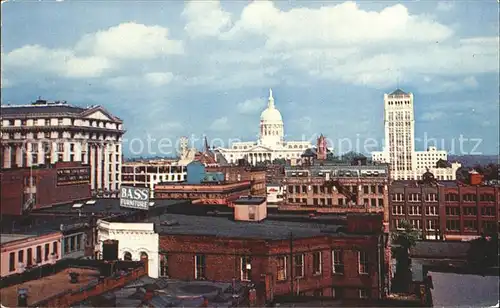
[[47, 132], [271, 144], [399, 150]]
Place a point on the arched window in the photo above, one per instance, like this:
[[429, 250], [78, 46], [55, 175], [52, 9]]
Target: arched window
[[127, 256]]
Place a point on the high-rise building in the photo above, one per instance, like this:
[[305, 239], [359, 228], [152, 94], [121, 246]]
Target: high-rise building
[[399, 150], [43, 133]]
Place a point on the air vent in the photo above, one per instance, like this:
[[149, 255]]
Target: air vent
[[169, 223]]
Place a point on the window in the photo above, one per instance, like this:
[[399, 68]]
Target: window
[[431, 224], [451, 197], [365, 189], [398, 210], [290, 189], [200, 266], [470, 225], [317, 263], [299, 265], [362, 262], [281, 268], [373, 189], [380, 202], [489, 227], [415, 223], [246, 268], [54, 248], [29, 257], [452, 225], [79, 242], [414, 210], [452, 211], [373, 202], [431, 197], [46, 252], [380, 189], [469, 197], [488, 211], [363, 293], [318, 293], [20, 256], [414, 198], [487, 198], [338, 262], [470, 211], [398, 197], [365, 201], [163, 265], [12, 261], [431, 210]]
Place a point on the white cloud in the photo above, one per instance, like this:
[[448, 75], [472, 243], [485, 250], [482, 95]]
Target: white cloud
[[134, 83], [251, 106], [171, 126], [432, 116], [130, 41], [158, 78], [445, 6], [220, 124], [205, 18]]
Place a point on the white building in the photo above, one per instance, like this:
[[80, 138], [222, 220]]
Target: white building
[[47, 132], [399, 150], [135, 241], [271, 144]]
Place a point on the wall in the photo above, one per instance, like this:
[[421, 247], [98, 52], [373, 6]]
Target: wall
[[195, 172], [30, 243], [134, 238], [15, 181], [242, 211], [223, 261]]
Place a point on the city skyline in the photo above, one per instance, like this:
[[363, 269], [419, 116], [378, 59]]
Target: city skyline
[[160, 84]]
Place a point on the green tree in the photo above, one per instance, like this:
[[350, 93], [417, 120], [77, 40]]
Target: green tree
[[402, 241], [279, 161], [483, 252]]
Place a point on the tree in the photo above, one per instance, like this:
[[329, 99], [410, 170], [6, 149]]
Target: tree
[[279, 161], [402, 241], [483, 252]]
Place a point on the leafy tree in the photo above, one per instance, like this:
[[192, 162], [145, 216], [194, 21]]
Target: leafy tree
[[402, 241], [279, 161], [483, 252]]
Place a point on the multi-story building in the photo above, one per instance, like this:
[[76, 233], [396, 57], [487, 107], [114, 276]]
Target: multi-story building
[[256, 175], [148, 174], [399, 150], [445, 210], [25, 189], [47, 132], [329, 187]]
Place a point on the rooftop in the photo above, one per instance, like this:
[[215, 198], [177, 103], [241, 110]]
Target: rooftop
[[7, 238], [440, 250], [8, 110], [49, 286], [398, 92], [250, 200]]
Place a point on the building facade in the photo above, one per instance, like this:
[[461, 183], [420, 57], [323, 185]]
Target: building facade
[[136, 242], [399, 149], [256, 175], [271, 144], [448, 210], [337, 188], [21, 251], [24, 189], [44, 133], [148, 174]]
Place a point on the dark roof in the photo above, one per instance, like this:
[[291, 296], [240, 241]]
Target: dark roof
[[50, 109], [398, 92], [440, 250], [250, 200], [267, 229]]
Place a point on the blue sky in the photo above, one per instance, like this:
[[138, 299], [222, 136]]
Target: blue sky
[[174, 68]]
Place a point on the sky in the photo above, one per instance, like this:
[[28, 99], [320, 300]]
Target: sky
[[175, 68]]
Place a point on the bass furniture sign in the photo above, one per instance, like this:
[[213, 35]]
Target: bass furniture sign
[[73, 176], [134, 197]]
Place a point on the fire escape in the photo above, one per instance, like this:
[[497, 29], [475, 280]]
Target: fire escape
[[350, 195]]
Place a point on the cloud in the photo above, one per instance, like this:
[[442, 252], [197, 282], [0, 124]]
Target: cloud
[[445, 6], [251, 106], [220, 124], [304, 123], [205, 18], [138, 83], [432, 116], [440, 85], [131, 41], [172, 126]]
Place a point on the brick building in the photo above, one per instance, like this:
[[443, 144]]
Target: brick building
[[329, 187], [62, 183], [305, 256], [256, 175], [445, 210]]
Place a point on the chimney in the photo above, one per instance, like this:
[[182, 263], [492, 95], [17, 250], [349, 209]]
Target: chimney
[[22, 298]]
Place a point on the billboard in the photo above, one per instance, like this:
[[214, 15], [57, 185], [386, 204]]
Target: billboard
[[73, 176], [134, 197]]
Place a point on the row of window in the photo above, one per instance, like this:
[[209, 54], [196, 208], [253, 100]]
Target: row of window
[[73, 243], [299, 265], [431, 210], [451, 225], [367, 189], [340, 201], [432, 197], [28, 261], [60, 122]]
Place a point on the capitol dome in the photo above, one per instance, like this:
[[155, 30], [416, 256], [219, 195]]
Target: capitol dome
[[271, 114]]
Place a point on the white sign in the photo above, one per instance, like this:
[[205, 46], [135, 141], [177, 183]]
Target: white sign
[[134, 197]]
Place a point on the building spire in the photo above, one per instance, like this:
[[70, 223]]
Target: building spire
[[271, 99]]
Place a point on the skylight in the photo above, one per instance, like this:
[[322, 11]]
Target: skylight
[[77, 205], [90, 202]]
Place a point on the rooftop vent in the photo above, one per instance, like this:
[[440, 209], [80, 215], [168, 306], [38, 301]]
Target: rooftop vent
[[77, 205], [90, 202], [169, 223]]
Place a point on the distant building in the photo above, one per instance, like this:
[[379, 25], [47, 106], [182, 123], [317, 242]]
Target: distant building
[[271, 144], [399, 149], [25, 189], [256, 175], [445, 209], [44, 133]]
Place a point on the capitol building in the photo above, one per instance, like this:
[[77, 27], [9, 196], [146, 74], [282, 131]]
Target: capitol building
[[271, 144]]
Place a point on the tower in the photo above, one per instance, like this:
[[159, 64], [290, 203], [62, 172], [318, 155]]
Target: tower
[[271, 124], [399, 126], [321, 148]]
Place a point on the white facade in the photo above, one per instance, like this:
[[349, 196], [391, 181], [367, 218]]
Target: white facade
[[150, 174], [271, 144], [399, 150], [46, 133], [134, 239]]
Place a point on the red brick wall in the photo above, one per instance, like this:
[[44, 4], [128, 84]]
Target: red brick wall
[[47, 192], [222, 256]]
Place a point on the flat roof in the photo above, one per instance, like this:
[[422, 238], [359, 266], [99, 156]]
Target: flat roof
[[249, 200], [7, 238], [182, 224]]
